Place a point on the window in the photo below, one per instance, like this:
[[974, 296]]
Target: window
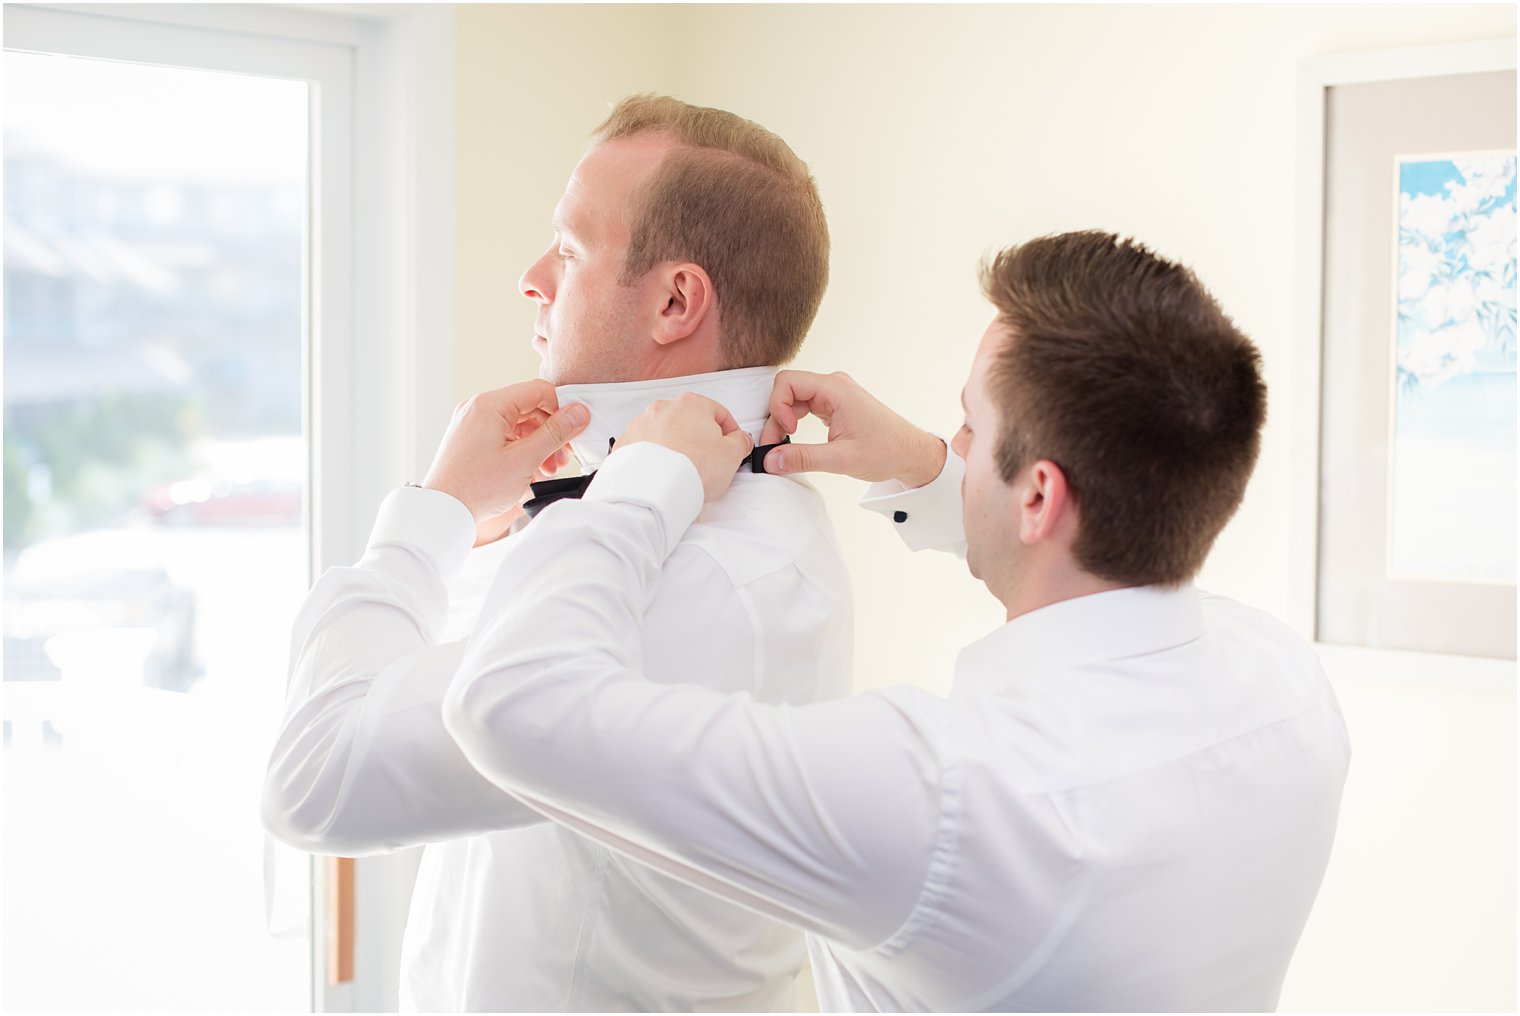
[[203, 206]]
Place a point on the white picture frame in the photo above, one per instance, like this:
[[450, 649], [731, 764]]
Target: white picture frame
[[1316, 78]]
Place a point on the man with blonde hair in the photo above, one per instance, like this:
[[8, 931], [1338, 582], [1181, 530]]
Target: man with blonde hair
[[690, 255]]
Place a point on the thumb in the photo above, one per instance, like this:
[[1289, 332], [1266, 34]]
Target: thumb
[[555, 433], [805, 458]]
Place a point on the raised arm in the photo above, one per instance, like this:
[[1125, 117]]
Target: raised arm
[[915, 478], [362, 762], [786, 810]]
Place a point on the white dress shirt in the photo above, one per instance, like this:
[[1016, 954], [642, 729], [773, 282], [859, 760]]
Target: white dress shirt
[[1126, 803], [511, 911]]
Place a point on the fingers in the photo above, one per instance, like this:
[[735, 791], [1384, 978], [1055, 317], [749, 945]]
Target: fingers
[[565, 424], [522, 399], [734, 436], [530, 422], [725, 420], [783, 395], [554, 463], [740, 441], [692, 405], [797, 393], [806, 458], [783, 421], [550, 438]]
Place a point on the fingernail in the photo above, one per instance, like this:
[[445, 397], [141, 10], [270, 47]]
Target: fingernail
[[775, 462], [578, 414]]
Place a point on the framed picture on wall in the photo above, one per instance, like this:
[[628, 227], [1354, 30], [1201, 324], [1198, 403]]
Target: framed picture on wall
[[1406, 330]]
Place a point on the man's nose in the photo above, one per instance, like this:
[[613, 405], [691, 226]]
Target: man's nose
[[535, 282]]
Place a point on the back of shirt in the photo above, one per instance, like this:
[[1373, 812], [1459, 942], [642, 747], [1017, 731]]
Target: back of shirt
[[755, 599], [1138, 821], [1127, 803]]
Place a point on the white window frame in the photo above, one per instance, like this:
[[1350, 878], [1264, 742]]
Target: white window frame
[[381, 263]]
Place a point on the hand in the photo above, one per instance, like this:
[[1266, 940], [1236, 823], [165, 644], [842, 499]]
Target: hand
[[699, 429], [866, 439], [498, 442], [495, 529]]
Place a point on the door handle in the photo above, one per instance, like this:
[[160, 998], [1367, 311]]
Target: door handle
[[340, 920]]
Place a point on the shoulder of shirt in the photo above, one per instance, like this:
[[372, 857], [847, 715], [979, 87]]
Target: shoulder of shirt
[[1102, 722], [762, 524], [1221, 612]]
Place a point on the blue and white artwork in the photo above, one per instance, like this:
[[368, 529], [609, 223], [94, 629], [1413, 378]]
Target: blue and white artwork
[[1452, 476]]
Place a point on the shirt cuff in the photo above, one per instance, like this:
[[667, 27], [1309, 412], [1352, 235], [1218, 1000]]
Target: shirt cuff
[[431, 523], [927, 516], [656, 477]]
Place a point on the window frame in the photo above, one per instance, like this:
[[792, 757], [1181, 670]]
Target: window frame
[[379, 264]]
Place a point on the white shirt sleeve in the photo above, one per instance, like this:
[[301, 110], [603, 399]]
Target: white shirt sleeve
[[362, 763], [927, 516], [825, 816]]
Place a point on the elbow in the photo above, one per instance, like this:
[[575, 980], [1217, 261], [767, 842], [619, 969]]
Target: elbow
[[302, 818], [286, 820], [474, 716], [291, 810], [462, 722]]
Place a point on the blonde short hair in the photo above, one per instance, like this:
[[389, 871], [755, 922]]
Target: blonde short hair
[[736, 200]]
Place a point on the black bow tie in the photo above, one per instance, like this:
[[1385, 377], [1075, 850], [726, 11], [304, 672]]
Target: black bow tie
[[547, 492]]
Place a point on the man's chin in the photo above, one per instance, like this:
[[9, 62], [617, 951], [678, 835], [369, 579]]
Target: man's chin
[[554, 371]]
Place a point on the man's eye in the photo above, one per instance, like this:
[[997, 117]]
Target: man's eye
[[565, 255]]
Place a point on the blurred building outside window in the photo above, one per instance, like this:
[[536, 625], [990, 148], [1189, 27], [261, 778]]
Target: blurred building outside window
[[155, 535]]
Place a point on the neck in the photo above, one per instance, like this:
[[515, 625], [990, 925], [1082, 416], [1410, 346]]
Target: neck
[[745, 393], [1041, 586], [684, 359]]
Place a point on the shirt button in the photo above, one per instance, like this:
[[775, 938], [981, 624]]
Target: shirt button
[[899, 516]]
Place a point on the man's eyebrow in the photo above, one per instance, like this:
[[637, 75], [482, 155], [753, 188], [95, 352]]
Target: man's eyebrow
[[561, 227]]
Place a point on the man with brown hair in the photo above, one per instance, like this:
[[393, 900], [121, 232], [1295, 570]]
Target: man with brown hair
[[1129, 798], [690, 255]]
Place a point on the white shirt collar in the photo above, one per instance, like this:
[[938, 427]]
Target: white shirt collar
[[1111, 625], [745, 392]]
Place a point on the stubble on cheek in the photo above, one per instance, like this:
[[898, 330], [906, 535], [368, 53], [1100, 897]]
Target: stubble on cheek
[[611, 345], [967, 530]]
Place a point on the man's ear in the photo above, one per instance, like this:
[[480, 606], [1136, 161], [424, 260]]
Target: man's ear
[[688, 299], [1044, 501]]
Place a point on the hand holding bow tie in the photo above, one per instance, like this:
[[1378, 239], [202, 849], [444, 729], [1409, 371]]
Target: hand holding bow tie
[[867, 440], [497, 443], [699, 428]]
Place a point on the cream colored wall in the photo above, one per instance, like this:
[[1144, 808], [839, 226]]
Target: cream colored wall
[[939, 133], [533, 80]]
